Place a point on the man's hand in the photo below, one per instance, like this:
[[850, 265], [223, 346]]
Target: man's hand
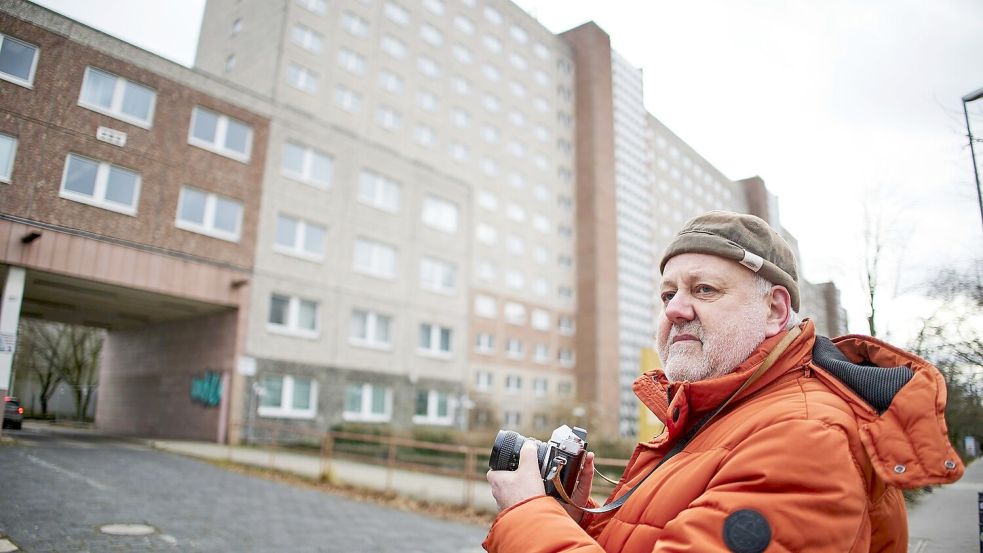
[[511, 487], [582, 493]]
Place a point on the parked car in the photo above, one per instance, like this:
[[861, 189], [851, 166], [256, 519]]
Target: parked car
[[13, 413]]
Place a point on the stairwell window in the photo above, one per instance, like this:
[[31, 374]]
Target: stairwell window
[[117, 97], [293, 315], [288, 397], [368, 403], [210, 214], [18, 61], [99, 184], [220, 134]]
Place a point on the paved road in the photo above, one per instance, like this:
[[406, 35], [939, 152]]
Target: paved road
[[56, 491], [946, 520]]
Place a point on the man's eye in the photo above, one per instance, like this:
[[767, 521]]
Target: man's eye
[[666, 296], [704, 289]]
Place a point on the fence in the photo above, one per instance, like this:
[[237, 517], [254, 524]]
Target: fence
[[465, 464]]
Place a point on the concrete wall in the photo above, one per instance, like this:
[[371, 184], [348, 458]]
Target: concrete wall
[[146, 374]]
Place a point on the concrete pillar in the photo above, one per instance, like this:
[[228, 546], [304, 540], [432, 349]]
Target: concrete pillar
[[13, 293]]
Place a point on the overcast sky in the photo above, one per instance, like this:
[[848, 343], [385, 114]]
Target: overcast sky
[[824, 100]]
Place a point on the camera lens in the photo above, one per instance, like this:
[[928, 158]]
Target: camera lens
[[505, 452]]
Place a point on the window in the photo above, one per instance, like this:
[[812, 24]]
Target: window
[[428, 67], [230, 63], [541, 223], [393, 47], [518, 35], [514, 349], [493, 16], [462, 54], [464, 24], [347, 99], [302, 78], [486, 271], [565, 261], [541, 51], [515, 313], [288, 397], [489, 167], [485, 306], [541, 194], [541, 320], [351, 61], [484, 343], [517, 119], [293, 315], [541, 287], [208, 213], [512, 419], [491, 72], [427, 100], [483, 380], [440, 214], [487, 200], [515, 245], [541, 353], [319, 7], [220, 134], [513, 383], [566, 326], [541, 133], [237, 26], [378, 191], [564, 387], [117, 97], [518, 61], [539, 387], [98, 183], [461, 85], [8, 150], [541, 255], [516, 180], [355, 25], [387, 118], [432, 407], [565, 293], [515, 280], [460, 118], [306, 165], [390, 82], [486, 234], [517, 89], [492, 43], [299, 238], [18, 60], [516, 213], [435, 6], [306, 38], [368, 403], [396, 13], [541, 78], [437, 275], [566, 358], [370, 329], [490, 103], [540, 421], [434, 340], [431, 35], [374, 259], [425, 135]]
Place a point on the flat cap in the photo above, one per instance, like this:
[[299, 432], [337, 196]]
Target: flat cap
[[747, 239]]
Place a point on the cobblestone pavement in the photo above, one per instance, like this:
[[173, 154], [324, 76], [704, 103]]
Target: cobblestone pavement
[[56, 492]]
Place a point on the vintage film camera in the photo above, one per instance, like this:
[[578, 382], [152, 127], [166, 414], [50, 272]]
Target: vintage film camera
[[560, 459]]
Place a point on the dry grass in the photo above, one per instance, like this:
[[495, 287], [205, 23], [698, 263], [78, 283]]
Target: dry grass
[[455, 513]]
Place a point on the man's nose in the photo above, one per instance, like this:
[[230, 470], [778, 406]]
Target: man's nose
[[680, 309]]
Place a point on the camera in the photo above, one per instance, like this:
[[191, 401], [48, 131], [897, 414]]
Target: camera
[[560, 459]]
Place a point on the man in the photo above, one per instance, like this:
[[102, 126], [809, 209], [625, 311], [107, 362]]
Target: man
[[776, 439]]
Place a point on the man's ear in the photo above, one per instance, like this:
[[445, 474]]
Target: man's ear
[[779, 310]]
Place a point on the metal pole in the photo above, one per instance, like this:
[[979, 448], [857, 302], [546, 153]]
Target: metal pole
[[979, 497], [972, 152]]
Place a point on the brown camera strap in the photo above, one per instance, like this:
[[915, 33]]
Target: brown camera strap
[[693, 431]]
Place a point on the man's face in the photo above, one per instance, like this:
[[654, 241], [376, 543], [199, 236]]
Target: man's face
[[714, 316]]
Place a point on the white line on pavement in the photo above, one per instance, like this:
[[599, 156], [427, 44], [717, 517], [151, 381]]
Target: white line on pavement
[[66, 472]]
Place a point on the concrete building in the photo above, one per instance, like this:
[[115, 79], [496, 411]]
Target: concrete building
[[129, 201]]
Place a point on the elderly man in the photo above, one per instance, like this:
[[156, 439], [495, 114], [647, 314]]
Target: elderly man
[[776, 439]]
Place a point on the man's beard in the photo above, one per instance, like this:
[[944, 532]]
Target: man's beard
[[716, 353]]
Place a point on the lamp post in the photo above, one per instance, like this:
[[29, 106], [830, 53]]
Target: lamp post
[[972, 96]]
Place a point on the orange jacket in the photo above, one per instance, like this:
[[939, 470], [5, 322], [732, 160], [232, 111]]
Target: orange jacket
[[798, 461]]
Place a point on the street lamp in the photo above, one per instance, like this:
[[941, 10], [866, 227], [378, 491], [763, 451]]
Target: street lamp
[[975, 95]]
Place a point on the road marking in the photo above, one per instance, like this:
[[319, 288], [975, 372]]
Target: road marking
[[119, 529], [6, 546], [68, 473], [917, 545]]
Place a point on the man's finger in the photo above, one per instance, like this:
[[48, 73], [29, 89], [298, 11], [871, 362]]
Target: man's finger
[[528, 457]]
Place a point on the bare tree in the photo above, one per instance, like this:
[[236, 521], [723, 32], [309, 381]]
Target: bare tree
[[882, 240], [40, 351], [55, 353], [81, 365]]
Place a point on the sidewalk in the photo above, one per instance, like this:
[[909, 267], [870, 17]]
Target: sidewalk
[[421, 486], [946, 520]]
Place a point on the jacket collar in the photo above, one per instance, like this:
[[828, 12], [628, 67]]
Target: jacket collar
[[681, 404]]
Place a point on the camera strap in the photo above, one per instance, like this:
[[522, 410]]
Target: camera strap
[[685, 439]]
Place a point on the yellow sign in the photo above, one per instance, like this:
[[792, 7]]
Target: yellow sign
[[649, 426]]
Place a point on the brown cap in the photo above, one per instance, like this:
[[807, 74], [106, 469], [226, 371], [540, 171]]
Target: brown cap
[[744, 238]]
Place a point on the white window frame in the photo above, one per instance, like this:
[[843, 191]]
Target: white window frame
[[309, 39], [431, 35], [377, 259], [320, 7], [351, 61], [541, 353], [514, 313], [388, 118], [293, 314], [513, 383], [365, 413], [433, 213], [485, 306], [438, 267], [540, 386], [483, 380], [306, 175], [221, 129], [393, 46], [115, 109], [7, 171], [433, 402], [541, 320], [355, 25], [286, 409], [347, 99], [484, 343], [379, 186], [207, 228], [98, 197], [391, 82], [515, 349], [564, 328], [434, 347], [566, 357], [29, 82], [396, 13], [300, 236], [371, 340], [306, 79]]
